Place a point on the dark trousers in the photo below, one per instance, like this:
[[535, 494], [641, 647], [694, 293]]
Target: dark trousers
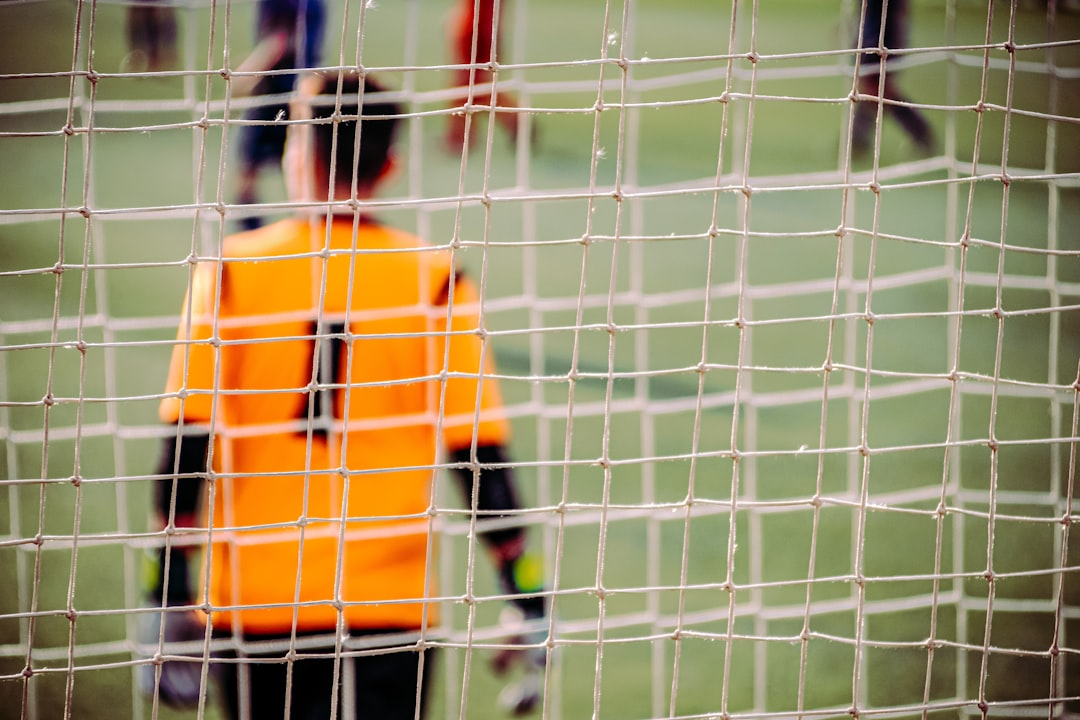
[[383, 686]]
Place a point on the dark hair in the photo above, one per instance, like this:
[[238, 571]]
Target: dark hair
[[378, 126]]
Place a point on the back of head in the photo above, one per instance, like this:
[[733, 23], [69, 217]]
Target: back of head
[[335, 142]]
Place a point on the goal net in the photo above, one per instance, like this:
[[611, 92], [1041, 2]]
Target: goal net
[[793, 382]]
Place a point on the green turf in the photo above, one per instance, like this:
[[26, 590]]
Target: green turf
[[777, 237]]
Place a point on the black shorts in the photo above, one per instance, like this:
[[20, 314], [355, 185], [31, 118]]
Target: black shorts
[[383, 685]]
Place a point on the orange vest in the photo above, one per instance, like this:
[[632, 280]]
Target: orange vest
[[327, 382]]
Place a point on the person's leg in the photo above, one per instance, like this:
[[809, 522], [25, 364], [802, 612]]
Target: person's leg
[[386, 685], [477, 23], [261, 688], [254, 690], [909, 118], [261, 145], [246, 186], [151, 33], [896, 24], [235, 683], [862, 125], [313, 687], [868, 65]]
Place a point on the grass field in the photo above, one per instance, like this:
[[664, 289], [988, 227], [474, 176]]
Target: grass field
[[743, 532]]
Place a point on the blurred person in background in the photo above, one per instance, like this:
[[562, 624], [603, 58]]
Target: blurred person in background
[[289, 37], [475, 39], [884, 24]]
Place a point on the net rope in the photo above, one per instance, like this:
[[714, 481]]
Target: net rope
[[600, 386]]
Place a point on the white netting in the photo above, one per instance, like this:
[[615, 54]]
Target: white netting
[[796, 429]]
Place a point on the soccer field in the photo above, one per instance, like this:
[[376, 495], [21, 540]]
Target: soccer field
[[797, 430]]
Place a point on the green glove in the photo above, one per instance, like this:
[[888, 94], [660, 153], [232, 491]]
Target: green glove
[[525, 622]]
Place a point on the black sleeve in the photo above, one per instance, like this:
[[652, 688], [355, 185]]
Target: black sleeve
[[496, 492], [181, 469], [496, 489], [185, 478]]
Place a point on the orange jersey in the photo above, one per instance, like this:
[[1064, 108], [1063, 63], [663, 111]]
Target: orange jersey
[[327, 382]]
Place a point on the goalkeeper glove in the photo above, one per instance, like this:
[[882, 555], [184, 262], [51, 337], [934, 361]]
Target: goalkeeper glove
[[180, 683], [525, 622]]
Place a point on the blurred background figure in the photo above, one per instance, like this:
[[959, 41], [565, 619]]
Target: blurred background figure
[[151, 34], [884, 24], [475, 27], [289, 36]]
